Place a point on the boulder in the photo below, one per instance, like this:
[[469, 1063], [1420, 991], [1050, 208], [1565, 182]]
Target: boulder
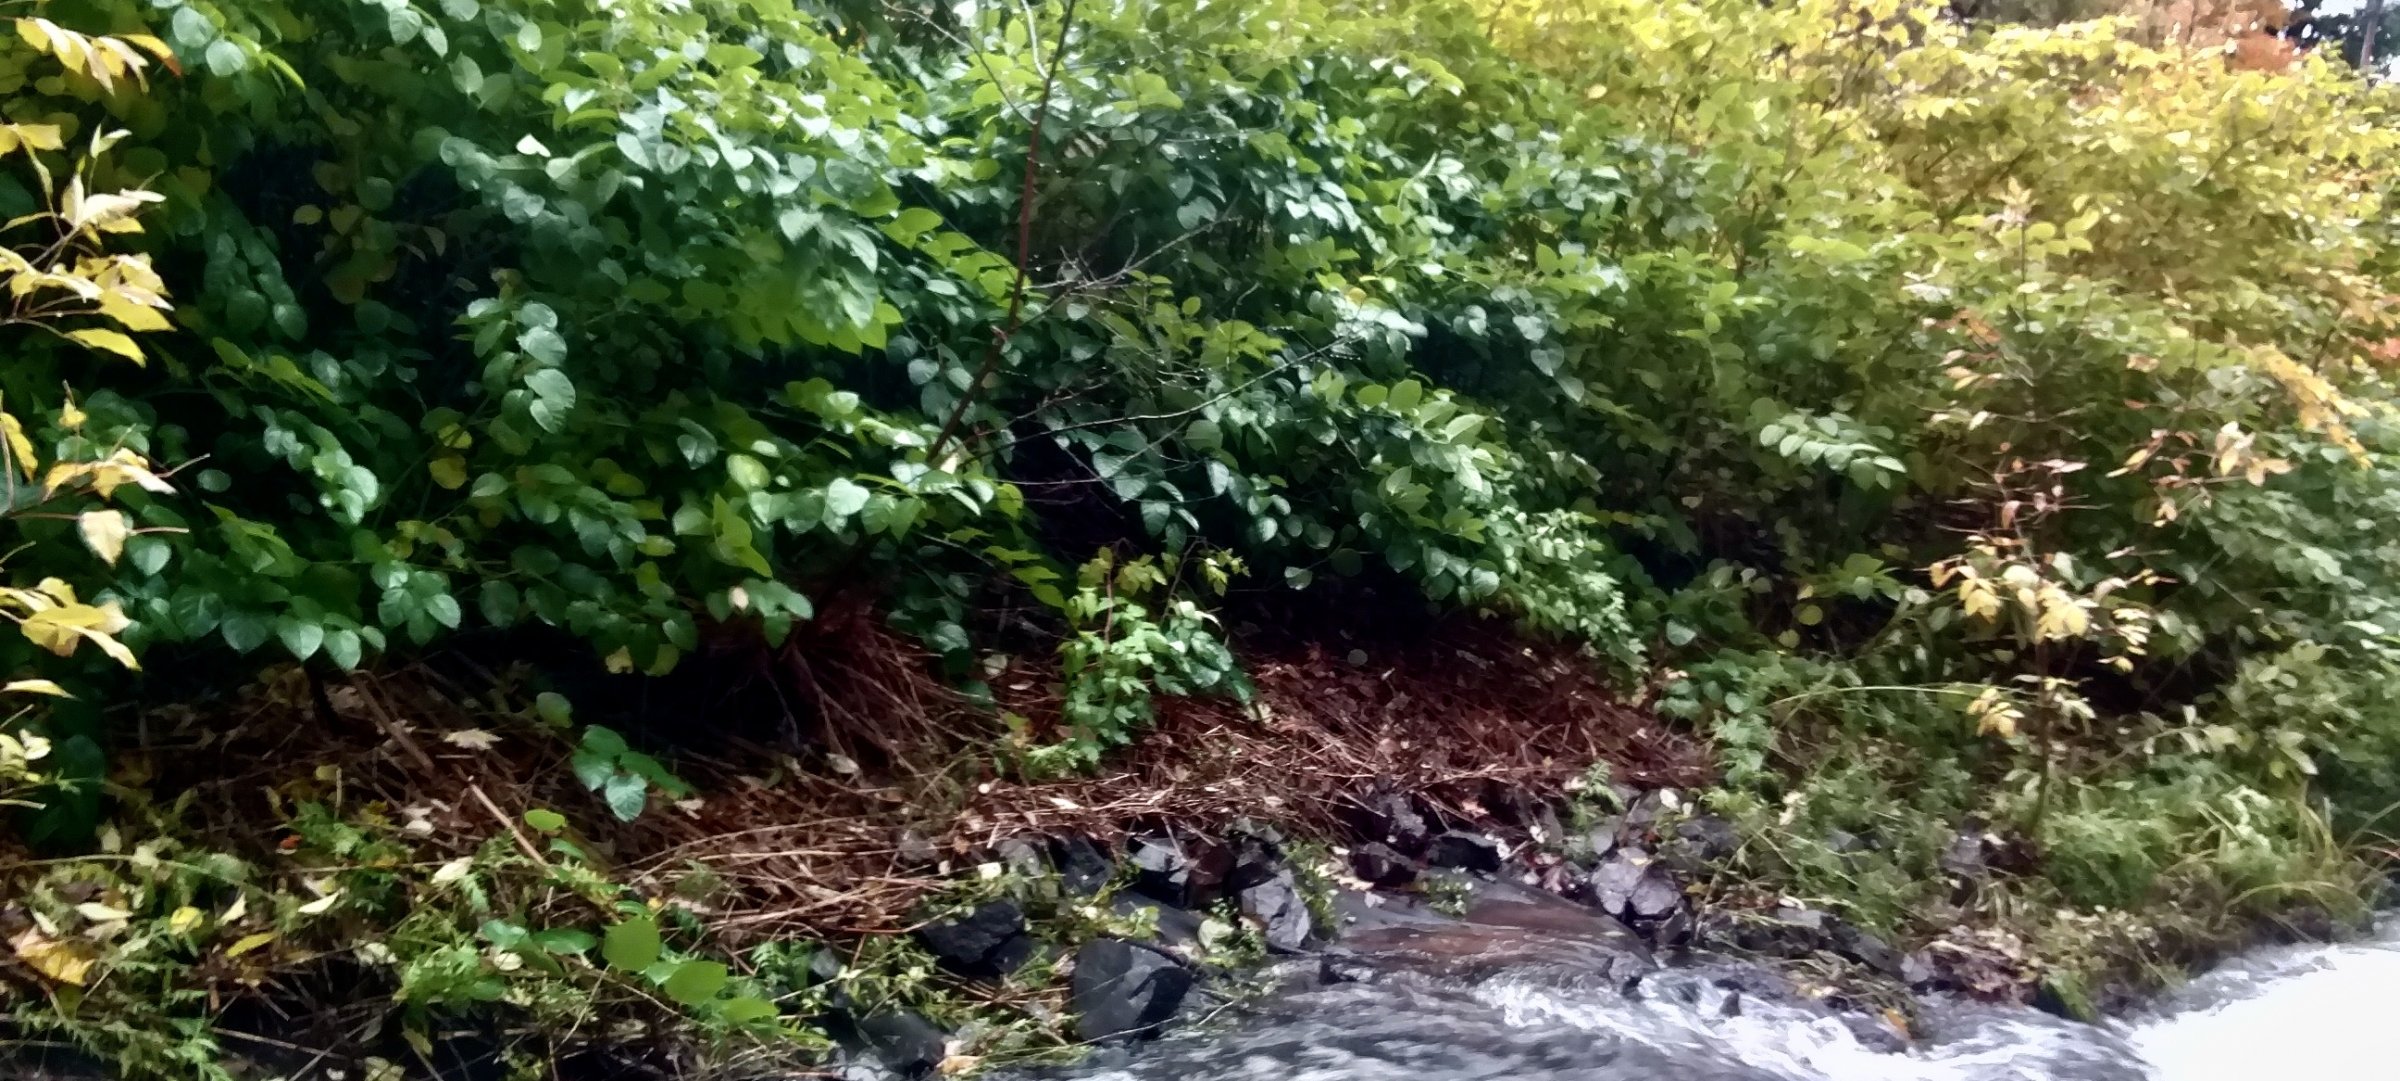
[[1083, 868], [1280, 912], [987, 943], [1379, 864], [1122, 991], [1465, 851]]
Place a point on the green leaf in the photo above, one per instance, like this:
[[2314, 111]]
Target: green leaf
[[301, 636], [545, 820], [844, 498], [627, 796], [224, 58], [747, 1009], [246, 631], [499, 602], [1405, 395], [342, 647], [631, 945], [553, 708], [695, 982]]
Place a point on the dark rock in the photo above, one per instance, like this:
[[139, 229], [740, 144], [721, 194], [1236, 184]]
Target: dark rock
[[905, 1043], [1644, 812], [1173, 927], [1546, 829], [1022, 857], [915, 850], [1256, 861], [1332, 970], [986, 943], [1185, 874], [1398, 824], [1965, 856], [1281, 913], [1676, 929], [1843, 842], [1082, 867], [1708, 838], [1125, 991], [1867, 949], [1874, 1034], [1465, 851], [1381, 865], [824, 966]]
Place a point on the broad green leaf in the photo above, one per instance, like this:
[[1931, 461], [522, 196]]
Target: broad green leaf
[[631, 945]]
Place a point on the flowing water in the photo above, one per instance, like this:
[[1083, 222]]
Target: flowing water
[[1546, 1000]]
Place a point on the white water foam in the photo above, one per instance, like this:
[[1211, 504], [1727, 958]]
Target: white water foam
[[2322, 1013]]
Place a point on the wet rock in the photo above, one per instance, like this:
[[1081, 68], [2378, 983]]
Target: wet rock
[[1332, 970], [1655, 896], [1645, 811], [1124, 991], [1867, 949], [1631, 884], [1381, 865], [1280, 912], [1397, 823], [1874, 1034], [1918, 971], [986, 943], [915, 850], [903, 1042], [1675, 930], [1605, 835], [1022, 857], [1185, 876], [1465, 851], [1708, 839], [1172, 927], [1082, 867], [1965, 857]]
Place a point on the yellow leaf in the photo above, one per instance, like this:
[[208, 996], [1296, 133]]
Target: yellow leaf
[[70, 417], [100, 913], [185, 920], [67, 962], [449, 471], [34, 686], [111, 340], [131, 315], [58, 629], [249, 943], [19, 448], [1978, 598], [105, 532]]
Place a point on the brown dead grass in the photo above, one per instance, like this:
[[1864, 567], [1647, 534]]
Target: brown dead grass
[[810, 843]]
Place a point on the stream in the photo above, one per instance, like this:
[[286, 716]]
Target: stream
[[1531, 994]]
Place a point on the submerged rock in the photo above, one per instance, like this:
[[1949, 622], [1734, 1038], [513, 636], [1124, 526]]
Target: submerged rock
[[903, 1042], [1465, 851], [987, 943], [1124, 991]]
